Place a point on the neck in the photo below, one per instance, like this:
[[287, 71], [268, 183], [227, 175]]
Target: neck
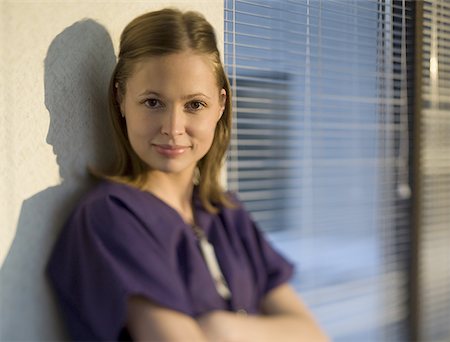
[[174, 189]]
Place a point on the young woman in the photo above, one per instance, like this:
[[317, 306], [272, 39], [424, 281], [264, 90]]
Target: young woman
[[157, 251]]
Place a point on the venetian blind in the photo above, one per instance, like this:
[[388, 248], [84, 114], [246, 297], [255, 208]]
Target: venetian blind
[[320, 150], [434, 172]]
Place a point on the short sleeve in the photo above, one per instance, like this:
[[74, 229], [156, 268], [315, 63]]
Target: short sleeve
[[104, 254], [270, 267], [275, 268]]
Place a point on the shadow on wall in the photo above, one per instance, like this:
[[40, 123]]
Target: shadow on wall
[[78, 66]]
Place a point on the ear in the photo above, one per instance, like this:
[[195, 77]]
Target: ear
[[222, 101]]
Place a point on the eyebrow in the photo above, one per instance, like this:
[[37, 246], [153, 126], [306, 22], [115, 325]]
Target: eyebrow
[[149, 92], [190, 96], [195, 95]]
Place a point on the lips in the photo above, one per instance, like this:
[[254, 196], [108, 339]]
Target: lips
[[170, 151]]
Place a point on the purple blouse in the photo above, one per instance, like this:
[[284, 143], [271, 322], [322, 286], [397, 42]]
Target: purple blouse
[[122, 241]]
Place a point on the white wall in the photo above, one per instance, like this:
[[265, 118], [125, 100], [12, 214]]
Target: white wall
[[55, 61]]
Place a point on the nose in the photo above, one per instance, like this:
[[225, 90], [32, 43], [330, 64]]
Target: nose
[[173, 123]]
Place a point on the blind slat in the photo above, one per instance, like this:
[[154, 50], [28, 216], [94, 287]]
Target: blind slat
[[321, 89]]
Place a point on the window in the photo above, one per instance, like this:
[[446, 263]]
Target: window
[[320, 150], [433, 172]]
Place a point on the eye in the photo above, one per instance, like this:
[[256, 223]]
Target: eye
[[195, 105], [153, 103]]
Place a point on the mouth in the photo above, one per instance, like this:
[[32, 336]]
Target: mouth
[[170, 151]]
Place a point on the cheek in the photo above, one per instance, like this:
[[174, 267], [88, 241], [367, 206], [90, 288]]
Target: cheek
[[140, 137], [204, 130], [140, 128]]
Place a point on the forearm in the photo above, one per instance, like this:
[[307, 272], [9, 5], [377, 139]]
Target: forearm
[[161, 332], [147, 321], [285, 318], [279, 328], [231, 327]]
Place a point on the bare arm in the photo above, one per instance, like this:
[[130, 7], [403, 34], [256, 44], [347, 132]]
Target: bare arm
[[147, 321], [285, 318]]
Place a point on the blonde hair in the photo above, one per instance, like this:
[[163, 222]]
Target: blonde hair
[[161, 33]]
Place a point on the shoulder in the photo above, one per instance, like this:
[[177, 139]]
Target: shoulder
[[111, 195], [108, 191], [116, 216], [236, 207], [112, 206], [235, 200], [237, 216]]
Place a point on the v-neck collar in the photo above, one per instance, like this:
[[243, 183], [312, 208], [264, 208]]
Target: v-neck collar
[[202, 217]]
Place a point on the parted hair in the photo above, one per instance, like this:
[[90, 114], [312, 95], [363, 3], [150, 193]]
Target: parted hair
[[161, 33]]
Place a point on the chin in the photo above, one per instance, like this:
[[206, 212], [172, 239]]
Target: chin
[[171, 169]]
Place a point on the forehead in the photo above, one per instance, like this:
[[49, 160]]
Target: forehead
[[178, 72]]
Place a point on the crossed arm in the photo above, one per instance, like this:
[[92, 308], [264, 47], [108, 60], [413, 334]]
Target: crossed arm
[[284, 318]]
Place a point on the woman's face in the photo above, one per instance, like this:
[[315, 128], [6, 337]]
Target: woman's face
[[172, 105]]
